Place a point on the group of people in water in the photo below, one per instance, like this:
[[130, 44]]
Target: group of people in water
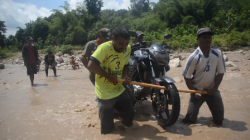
[[107, 59]]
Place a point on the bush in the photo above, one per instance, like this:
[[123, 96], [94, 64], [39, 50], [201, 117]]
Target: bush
[[66, 49], [237, 39]]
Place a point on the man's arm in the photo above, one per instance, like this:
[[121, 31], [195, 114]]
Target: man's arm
[[86, 53], [125, 75], [84, 61], [189, 84], [24, 54], [95, 68], [217, 82]]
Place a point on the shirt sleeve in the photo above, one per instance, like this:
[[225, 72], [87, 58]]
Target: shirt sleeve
[[88, 48], [221, 64], [100, 54], [190, 66]]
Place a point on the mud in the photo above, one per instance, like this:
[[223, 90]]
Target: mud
[[64, 107]]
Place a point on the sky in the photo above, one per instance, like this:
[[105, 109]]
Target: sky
[[16, 13]]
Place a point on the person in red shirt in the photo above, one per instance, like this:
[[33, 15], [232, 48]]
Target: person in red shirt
[[30, 58]]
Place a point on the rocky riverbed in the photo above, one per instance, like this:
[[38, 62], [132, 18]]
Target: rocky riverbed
[[64, 107]]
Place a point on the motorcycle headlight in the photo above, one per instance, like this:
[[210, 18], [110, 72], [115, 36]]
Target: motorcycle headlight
[[161, 58]]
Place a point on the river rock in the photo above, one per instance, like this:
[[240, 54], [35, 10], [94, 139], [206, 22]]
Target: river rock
[[66, 55], [178, 79], [2, 66], [175, 63], [17, 61], [59, 54], [247, 57], [230, 64], [225, 57]]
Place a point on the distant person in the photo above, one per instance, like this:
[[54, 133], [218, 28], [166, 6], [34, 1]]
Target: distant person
[[138, 39], [50, 62], [204, 70], [30, 58], [104, 35], [59, 59], [73, 63], [109, 62]]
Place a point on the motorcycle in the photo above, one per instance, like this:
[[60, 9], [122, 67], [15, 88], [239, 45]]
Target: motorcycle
[[149, 65]]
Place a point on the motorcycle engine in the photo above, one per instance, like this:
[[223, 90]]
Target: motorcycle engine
[[137, 90]]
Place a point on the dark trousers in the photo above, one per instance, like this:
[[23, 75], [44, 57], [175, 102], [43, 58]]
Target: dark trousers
[[47, 68], [214, 103], [122, 104]]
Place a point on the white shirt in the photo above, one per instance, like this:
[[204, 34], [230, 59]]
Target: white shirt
[[203, 69]]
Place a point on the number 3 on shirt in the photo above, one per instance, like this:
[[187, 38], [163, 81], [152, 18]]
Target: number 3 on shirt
[[207, 68]]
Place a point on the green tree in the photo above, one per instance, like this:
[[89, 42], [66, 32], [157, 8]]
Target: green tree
[[2, 33], [40, 29], [94, 7]]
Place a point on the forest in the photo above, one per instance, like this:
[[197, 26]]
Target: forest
[[70, 29]]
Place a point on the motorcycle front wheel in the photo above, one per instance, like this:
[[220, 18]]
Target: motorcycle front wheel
[[167, 109]]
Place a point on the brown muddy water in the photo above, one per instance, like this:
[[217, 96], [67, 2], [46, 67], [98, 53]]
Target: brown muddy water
[[64, 108]]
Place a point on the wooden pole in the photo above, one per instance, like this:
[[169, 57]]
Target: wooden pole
[[162, 87]]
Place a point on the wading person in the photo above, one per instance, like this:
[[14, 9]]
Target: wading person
[[204, 70], [104, 35], [109, 62], [50, 62], [30, 58]]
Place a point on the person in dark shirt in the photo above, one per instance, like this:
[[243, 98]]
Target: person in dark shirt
[[30, 58], [50, 63]]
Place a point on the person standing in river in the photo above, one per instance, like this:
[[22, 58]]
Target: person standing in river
[[30, 58]]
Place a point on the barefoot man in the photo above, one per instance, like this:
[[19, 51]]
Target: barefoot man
[[30, 58]]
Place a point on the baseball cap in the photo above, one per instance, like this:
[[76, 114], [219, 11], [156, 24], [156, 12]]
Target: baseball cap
[[29, 38], [105, 32], [204, 30], [139, 33]]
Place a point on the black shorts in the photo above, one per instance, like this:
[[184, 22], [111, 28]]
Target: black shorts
[[31, 69]]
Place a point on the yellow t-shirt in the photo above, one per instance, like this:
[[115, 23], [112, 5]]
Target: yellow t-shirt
[[113, 63]]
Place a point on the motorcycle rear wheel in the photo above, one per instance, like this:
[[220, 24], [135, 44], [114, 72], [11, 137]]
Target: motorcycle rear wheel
[[168, 109]]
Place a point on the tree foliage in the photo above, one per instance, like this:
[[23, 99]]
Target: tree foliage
[[182, 18]]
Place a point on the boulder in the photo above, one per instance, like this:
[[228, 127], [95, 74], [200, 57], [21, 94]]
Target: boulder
[[66, 55], [175, 63], [59, 54], [247, 57], [2, 66]]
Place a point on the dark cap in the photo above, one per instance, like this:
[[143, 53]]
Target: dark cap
[[204, 30], [29, 38], [105, 32], [139, 33]]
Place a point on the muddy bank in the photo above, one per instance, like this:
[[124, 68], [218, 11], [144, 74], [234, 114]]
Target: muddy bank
[[64, 107]]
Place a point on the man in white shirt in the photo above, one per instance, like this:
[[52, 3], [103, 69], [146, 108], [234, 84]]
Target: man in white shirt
[[204, 70]]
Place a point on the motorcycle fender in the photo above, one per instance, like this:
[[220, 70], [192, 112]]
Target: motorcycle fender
[[165, 79]]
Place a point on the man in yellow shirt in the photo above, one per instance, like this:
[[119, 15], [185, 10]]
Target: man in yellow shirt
[[109, 62]]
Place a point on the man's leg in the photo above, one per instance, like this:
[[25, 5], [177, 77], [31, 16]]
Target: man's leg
[[193, 108], [216, 107], [46, 69], [32, 79], [54, 69], [125, 108], [106, 114]]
